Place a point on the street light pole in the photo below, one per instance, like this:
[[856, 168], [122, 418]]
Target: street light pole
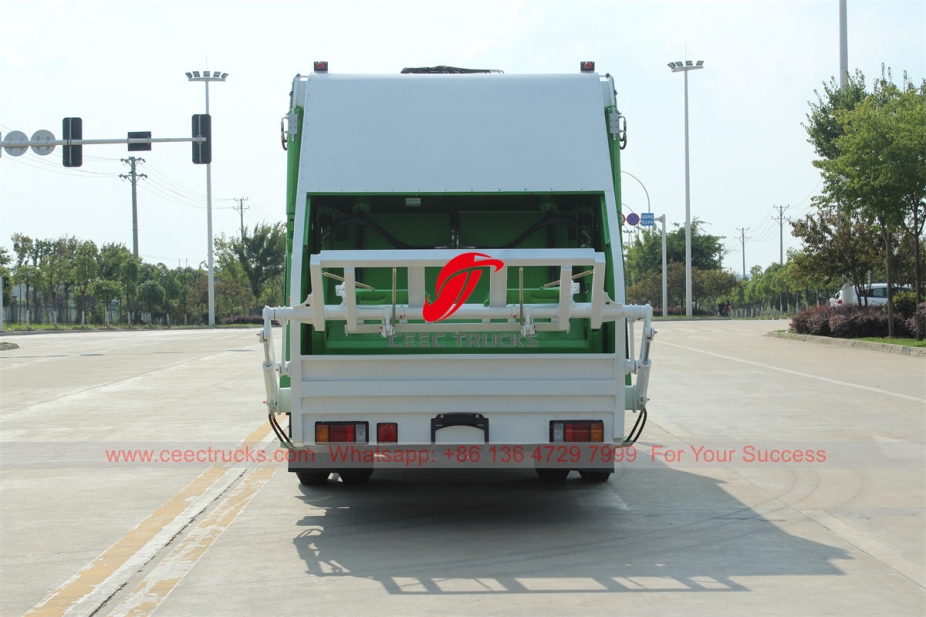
[[641, 184], [665, 274], [684, 67], [206, 78], [843, 45]]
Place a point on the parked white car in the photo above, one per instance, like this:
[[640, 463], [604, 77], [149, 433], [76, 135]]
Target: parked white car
[[876, 295]]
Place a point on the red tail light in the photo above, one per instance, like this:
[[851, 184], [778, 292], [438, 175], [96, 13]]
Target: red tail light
[[577, 431], [341, 432], [387, 432]]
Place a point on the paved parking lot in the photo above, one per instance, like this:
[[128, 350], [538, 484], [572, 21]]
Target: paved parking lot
[[668, 534]]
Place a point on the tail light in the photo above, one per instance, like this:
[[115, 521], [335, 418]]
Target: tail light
[[577, 431], [341, 432], [387, 432]]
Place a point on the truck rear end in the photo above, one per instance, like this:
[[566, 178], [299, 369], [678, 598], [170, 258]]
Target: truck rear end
[[455, 277]]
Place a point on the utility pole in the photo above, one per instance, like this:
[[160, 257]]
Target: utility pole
[[781, 232], [133, 161], [241, 208], [781, 246], [629, 241], [743, 231]]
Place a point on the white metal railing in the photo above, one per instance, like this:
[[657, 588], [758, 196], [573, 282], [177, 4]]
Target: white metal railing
[[498, 316]]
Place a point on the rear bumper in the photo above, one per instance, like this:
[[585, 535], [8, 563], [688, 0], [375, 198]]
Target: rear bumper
[[573, 456]]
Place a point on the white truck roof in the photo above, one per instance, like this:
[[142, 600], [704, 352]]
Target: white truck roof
[[453, 133]]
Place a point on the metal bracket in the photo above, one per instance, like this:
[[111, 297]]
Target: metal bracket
[[445, 420]]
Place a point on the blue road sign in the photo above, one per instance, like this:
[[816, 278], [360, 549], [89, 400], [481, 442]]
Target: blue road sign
[[646, 219], [633, 218]]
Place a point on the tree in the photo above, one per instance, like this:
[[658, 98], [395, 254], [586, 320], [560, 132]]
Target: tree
[[55, 268], [5, 261], [837, 246], [118, 264], [879, 170], [261, 255], [105, 292], [823, 127], [645, 254], [24, 273], [151, 296], [713, 284], [85, 271]]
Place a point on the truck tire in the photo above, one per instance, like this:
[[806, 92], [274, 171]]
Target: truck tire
[[312, 478], [595, 475], [353, 477], [552, 476]]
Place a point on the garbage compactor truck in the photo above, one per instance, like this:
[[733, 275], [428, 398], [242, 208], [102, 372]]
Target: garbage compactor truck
[[454, 276]]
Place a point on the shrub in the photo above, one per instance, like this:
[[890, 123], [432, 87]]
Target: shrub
[[905, 303], [844, 322], [916, 323], [799, 321], [858, 322], [813, 321]]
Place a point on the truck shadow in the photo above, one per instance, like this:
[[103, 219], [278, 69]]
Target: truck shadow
[[502, 531]]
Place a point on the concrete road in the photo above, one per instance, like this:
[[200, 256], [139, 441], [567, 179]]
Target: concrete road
[[668, 534]]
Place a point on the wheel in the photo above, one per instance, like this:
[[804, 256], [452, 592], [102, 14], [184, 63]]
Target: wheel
[[591, 475], [312, 478], [355, 476], [552, 476]]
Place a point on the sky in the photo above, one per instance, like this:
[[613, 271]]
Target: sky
[[121, 66]]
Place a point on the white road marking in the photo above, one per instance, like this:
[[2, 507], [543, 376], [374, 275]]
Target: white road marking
[[798, 373]]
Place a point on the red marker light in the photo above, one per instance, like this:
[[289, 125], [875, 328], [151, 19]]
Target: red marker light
[[321, 66], [387, 432], [587, 66]]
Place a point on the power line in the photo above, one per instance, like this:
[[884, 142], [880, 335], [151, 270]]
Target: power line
[[133, 176]]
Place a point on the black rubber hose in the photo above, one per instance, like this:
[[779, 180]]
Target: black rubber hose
[[637, 428]]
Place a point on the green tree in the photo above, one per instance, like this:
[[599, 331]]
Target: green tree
[[151, 297], [54, 271], [645, 254], [106, 292], [5, 261], [85, 271], [191, 298], [713, 285], [837, 246], [261, 255], [823, 127], [118, 264], [24, 270], [879, 171]]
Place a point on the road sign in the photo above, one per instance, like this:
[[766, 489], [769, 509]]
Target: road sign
[[647, 220], [633, 218], [16, 136], [43, 135]]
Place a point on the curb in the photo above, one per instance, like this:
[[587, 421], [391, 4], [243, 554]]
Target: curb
[[904, 350]]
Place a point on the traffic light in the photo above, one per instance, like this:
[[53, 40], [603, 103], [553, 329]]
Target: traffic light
[[202, 127], [72, 128]]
